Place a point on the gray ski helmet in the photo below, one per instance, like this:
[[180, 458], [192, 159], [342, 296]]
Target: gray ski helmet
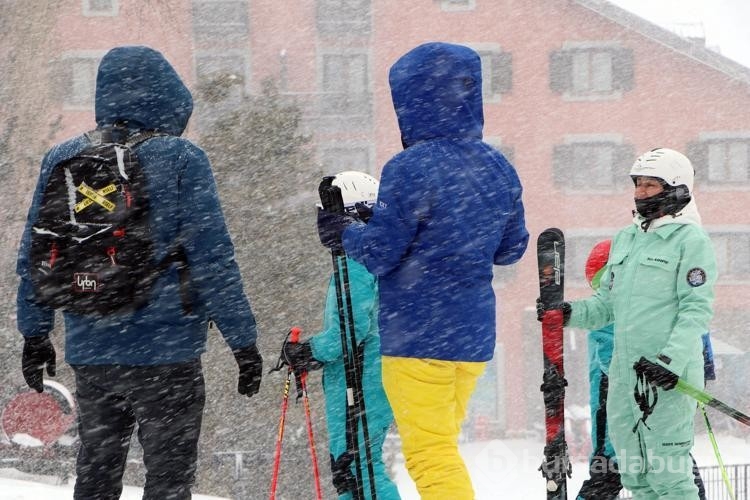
[[356, 187], [672, 167]]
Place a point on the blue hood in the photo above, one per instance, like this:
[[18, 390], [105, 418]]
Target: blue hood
[[138, 85], [437, 93]]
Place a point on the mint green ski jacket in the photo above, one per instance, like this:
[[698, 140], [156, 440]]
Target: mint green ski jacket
[[658, 289]]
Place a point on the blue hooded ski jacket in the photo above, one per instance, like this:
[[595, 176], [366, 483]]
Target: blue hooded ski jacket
[[137, 85], [449, 207]]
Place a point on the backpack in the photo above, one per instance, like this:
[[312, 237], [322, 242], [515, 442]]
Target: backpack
[[91, 250]]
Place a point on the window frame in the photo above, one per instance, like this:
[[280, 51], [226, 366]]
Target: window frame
[[457, 5], [112, 11], [360, 99], [704, 152], [333, 17], [732, 261], [576, 74], [231, 30], [568, 177], [497, 71], [73, 77]]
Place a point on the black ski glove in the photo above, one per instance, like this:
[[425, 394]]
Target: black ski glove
[[364, 212], [656, 374], [38, 352], [541, 308], [604, 480], [330, 227], [342, 476], [299, 356], [251, 369]]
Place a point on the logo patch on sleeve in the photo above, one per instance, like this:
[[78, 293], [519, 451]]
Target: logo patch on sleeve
[[696, 276]]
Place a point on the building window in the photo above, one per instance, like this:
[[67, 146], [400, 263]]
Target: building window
[[497, 73], [721, 158], [342, 17], [345, 157], [93, 8], [77, 78], [345, 84], [457, 5], [591, 163], [220, 20], [591, 71], [732, 254]]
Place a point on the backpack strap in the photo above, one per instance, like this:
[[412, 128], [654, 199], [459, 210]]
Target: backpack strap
[[178, 256], [118, 134], [142, 135]]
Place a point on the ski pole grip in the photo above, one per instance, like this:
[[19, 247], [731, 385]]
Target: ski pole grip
[[330, 195], [294, 334]]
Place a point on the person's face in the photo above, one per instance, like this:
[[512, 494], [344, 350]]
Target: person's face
[[646, 187]]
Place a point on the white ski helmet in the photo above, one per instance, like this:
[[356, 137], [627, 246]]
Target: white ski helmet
[[356, 187], [668, 165]]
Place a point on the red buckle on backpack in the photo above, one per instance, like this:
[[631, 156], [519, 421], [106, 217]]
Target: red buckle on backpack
[[111, 251]]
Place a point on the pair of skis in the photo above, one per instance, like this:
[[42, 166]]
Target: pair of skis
[[556, 467]]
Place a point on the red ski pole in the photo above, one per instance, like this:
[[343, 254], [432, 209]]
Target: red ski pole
[[308, 420], [280, 434]]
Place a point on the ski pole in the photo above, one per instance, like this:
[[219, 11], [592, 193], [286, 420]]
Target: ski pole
[[359, 391], [715, 446], [308, 421], [280, 434], [707, 399]]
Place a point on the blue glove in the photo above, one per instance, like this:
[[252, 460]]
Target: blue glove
[[330, 228]]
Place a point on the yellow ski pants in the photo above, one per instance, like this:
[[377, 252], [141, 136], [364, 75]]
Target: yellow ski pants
[[429, 399]]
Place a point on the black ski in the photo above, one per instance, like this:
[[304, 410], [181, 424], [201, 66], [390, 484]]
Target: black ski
[[556, 467]]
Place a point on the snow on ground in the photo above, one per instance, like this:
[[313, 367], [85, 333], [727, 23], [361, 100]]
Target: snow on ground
[[508, 468], [16, 485], [499, 469]]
